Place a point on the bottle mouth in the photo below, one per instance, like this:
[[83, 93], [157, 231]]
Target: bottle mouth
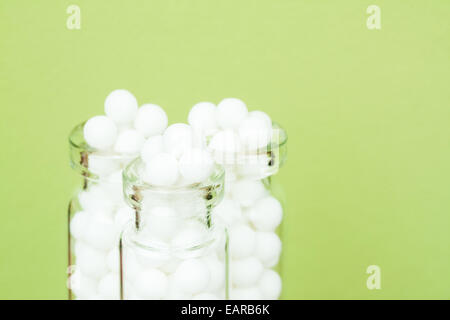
[[81, 154], [257, 162]]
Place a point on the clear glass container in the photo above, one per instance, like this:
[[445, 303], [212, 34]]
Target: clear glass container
[[252, 210], [97, 214], [174, 248]]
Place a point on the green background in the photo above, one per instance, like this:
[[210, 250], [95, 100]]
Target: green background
[[367, 113]]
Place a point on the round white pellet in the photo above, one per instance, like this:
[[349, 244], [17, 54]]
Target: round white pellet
[[174, 292], [171, 265], [246, 192], [225, 141], [196, 165], [162, 170], [129, 141], [267, 214], [242, 241], [270, 285], [122, 216], [83, 286], [190, 235], [268, 248], [96, 198], [192, 276], [121, 106], [151, 120], [205, 296], [177, 139], [246, 272], [228, 211], [131, 267], [151, 147], [102, 165], [113, 260], [91, 262], [202, 118], [78, 224], [161, 222], [224, 146], [109, 287], [261, 115], [230, 113], [254, 166], [100, 233], [152, 258], [251, 293], [217, 273], [151, 284], [100, 132], [254, 133]]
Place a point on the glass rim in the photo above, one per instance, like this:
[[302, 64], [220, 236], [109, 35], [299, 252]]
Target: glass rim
[[77, 141]]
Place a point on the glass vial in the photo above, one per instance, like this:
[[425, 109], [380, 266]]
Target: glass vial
[[96, 216], [173, 249], [253, 210]]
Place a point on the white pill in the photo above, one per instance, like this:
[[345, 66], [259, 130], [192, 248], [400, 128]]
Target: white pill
[[122, 216], [100, 233], [242, 241], [109, 287], [228, 211], [131, 267], [83, 286], [177, 139], [152, 258], [270, 285], [196, 165], [254, 133], [192, 276], [268, 248], [251, 293], [151, 284], [174, 292], [246, 191], [246, 272], [129, 141], [113, 260], [205, 296], [261, 115], [78, 224], [96, 198], [102, 165], [217, 273], [162, 170], [91, 262], [151, 147], [121, 106], [100, 132], [225, 145], [202, 118], [254, 166], [171, 265], [151, 120], [190, 235], [267, 214], [230, 113], [161, 222]]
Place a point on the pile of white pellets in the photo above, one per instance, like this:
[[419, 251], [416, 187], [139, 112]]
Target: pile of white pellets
[[179, 155]]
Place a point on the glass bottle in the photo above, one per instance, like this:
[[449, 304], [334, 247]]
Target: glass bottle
[[96, 216], [252, 210], [173, 249]]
